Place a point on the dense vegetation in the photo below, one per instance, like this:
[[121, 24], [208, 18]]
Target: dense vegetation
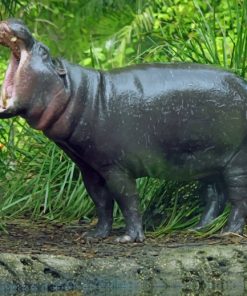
[[37, 179]]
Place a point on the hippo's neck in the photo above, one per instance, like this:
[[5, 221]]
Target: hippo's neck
[[84, 107], [49, 103]]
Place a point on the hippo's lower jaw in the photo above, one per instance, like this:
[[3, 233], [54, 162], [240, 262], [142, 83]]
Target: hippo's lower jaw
[[5, 114]]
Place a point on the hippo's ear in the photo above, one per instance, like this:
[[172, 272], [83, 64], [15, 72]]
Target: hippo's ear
[[59, 67], [61, 71]]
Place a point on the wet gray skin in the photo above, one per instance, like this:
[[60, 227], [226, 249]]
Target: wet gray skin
[[180, 121]]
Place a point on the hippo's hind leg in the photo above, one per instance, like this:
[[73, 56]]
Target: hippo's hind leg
[[236, 181], [215, 200], [102, 198]]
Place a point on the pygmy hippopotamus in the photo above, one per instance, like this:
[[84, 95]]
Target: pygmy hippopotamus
[[183, 121]]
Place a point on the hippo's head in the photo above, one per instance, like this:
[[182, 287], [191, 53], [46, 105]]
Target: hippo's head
[[35, 85]]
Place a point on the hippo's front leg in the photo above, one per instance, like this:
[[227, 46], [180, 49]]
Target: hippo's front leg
[[125, 193], [102, 198]]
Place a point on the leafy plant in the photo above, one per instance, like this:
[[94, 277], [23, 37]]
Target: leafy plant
[[37, 179], [9, 7]]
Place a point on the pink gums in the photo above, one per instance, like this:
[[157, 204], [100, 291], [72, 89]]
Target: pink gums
[[8, 83]]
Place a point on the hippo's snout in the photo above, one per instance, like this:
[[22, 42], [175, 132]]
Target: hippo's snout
[[15, 35]]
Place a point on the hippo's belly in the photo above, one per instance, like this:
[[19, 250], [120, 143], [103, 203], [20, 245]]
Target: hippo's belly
[[177, 165]]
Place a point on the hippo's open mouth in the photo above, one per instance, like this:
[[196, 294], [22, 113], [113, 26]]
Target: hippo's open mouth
[[18, 55]]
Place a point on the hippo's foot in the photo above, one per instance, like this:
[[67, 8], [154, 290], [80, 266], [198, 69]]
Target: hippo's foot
[[234, 227], [208, 217], [203, 223], [100, 232], [134, 235], [236, 221], [198, 227]]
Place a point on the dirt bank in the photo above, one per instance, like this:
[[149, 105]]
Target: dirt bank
[[39, 257]]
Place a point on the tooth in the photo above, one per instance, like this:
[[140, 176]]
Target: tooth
[[13, 39]]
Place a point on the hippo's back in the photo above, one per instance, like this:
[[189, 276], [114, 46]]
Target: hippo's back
[[150, 82], [177, 98], [175, 111]]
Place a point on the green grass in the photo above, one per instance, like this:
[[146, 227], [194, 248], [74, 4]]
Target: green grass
[[37, 179], [40, 179]]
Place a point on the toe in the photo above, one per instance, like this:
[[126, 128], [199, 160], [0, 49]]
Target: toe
[[130, 238]]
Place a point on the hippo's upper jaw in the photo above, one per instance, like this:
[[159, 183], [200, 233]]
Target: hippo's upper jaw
[[34, 85], [14, 35]]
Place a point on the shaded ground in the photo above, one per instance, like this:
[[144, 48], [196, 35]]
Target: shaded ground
[[29, 237]]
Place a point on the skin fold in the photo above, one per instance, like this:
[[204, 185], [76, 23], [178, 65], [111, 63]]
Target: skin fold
[[179, 121]]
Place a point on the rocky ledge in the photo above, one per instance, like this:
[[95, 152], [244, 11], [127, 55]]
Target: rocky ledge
[[188, 270]]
